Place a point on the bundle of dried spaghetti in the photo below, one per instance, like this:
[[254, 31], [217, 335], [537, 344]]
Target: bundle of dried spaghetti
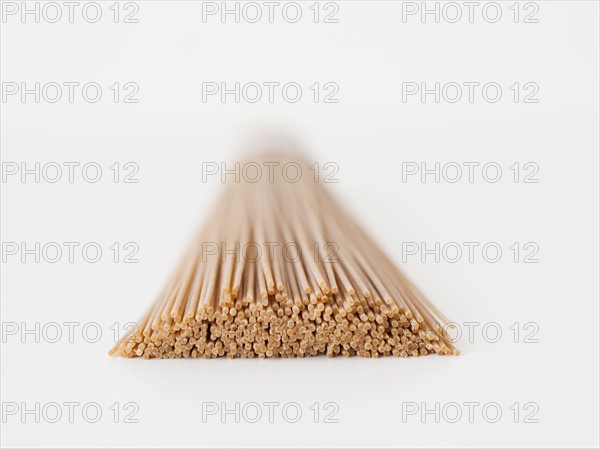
[[281, 270]]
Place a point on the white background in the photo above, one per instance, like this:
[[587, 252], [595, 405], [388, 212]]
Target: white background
[[369, 133]]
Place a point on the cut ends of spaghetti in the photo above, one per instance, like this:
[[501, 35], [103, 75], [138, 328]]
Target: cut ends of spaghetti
[[282, 270]]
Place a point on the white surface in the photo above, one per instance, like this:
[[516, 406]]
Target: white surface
[[369, 133]]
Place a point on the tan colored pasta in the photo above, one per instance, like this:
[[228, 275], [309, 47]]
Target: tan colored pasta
[[281, 270]]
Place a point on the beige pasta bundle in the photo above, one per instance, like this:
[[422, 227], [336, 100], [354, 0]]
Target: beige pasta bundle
[[281, 270]]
